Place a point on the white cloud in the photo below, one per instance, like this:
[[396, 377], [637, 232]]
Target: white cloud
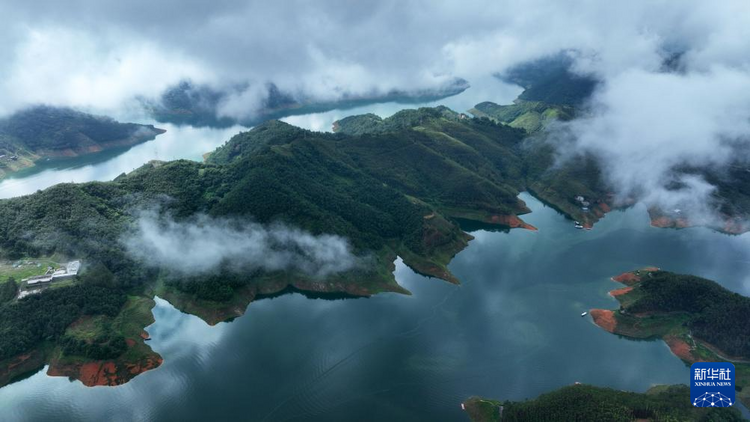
[[643, 125], [204, 245]]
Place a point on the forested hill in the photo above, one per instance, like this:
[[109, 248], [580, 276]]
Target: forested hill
[[388, 194], [44, 131], [200, 105], [551, 80], [457, 165], [526, 163], [714, 314], [552, 91], [698, 319], [590, 403]]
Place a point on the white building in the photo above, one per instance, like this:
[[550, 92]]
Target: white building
[[70, 270]]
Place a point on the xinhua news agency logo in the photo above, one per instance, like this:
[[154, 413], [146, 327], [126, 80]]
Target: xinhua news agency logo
[[712, 384]]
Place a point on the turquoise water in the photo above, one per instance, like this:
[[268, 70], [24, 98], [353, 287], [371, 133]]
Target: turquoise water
[[512, 330]]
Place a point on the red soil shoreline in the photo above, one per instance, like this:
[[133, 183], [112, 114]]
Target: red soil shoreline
[[605, 319], [618, 292], [104, 373], [725, 223], [511, 221]]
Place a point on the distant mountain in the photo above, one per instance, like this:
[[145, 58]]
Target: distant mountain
[[554, 94], [551, 80], [45, 132], [198, 105]]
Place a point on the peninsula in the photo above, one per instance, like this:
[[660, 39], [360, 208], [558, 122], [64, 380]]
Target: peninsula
[[698, 319], [388, 188], [43, 132]]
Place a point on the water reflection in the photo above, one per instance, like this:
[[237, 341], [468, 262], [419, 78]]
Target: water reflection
[[511, 330]]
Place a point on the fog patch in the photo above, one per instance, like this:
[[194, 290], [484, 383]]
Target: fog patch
[[654, 134], [203, 245]]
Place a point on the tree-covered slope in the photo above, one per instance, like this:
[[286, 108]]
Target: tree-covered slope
[[714, 314], [43, 131], [696, 317], [532, 116], [502, 154], [388, 194], [551, 80], [554, 93]]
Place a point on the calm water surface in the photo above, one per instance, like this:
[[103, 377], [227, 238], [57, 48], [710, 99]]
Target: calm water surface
[[511, 330], [184, 142]]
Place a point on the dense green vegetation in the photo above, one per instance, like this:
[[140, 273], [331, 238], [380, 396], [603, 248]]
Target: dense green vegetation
[[389, 186], [697, 318], [45, 317], [532, 116], [716, 314], [42, 131], [373, 189], [589, 403], [8, 290], [106, 346], [55, 128], [550, 80], [524, 163]]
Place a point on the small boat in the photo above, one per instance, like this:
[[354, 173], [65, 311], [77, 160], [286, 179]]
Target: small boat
[[584, 314], [578, 225], [463, 406]]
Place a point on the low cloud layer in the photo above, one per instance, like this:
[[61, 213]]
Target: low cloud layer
[[644, 127], [100, 54], [205, 245]]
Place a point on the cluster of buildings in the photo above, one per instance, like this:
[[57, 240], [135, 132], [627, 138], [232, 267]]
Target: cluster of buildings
[[68, 271]]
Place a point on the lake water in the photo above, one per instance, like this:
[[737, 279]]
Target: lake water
[[185, 142], [512, 330]]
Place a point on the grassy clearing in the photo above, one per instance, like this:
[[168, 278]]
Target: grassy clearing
[[25, 268], [89, 327]]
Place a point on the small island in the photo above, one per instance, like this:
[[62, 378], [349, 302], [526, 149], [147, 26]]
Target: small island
[[698, 319]]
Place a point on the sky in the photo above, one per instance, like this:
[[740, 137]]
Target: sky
[[100, 55]]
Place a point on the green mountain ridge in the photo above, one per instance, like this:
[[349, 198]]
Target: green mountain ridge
[[389, 194]]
